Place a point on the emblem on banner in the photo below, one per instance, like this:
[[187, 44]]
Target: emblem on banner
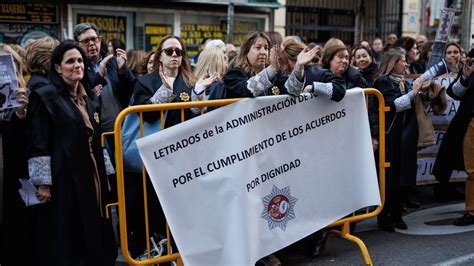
[[275, 90], [184, 96], [278, 208]]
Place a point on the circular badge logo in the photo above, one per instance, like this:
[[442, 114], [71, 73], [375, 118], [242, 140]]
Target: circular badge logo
[[278, 208]]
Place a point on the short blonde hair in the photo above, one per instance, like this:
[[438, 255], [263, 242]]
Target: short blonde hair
[[38, 55], [211, 60]]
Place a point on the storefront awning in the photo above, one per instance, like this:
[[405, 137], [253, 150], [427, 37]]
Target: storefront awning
[[254, 3]]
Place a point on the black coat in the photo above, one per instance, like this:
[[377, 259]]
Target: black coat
[[354, 78], [450, 155], [18, 220], [146, 86], [235, 84], [73, 230], [37, 81], [369, 73], [401, 136], [315, 74]]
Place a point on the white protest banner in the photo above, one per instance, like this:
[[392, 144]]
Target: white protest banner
[[8, 82], [427, 156], [248, 179]]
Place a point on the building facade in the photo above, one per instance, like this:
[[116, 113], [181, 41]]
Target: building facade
[[140, 24]]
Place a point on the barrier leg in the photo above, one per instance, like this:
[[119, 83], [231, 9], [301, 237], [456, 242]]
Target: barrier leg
[[179, 262], [345, 234]]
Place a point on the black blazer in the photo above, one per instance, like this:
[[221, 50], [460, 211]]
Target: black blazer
[[235, 84], [146, 86]]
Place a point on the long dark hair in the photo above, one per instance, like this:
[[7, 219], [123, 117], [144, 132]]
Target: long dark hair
[[57, 58], [184, 68]]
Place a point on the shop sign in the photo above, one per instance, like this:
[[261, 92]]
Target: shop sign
[[154, 33], [110, 27], [28, 12], [193, 34]]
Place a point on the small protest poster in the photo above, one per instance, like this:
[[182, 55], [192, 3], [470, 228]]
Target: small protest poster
[[8, 83]]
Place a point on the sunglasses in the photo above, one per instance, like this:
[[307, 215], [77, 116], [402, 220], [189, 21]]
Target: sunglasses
[[169, 51], [88, 40]]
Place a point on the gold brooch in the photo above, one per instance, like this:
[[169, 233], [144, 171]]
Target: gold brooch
[[184, 96], [96, 117], [275, 90]]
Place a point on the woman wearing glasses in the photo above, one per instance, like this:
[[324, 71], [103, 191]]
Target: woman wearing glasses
[[172, 81]]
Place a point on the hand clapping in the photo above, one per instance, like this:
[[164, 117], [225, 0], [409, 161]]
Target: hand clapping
[[165, 79]]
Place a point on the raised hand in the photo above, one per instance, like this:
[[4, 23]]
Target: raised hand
[[103, 65], [121, 58], [207, 80], [305, 57], [165, 79], [22, 99], [98, 90], [417, 84], [467, 69], [204, 82]]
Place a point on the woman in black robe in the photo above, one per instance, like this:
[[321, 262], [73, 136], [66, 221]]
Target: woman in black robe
[[336, 59], [249, 75], [401, 129], [65, 161], [171, 82]]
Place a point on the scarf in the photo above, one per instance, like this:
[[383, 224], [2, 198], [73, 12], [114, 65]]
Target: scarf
[[400, 80]]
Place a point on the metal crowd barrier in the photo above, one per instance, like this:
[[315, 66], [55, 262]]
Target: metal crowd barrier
[[344, 223]]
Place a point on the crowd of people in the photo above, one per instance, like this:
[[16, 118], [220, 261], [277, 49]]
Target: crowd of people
[[76, 88]]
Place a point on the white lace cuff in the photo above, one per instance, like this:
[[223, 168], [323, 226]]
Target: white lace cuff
[[197, 97], [259, 83], [163, 95], [293, 83], [109, 168], [39, 169], [458, 89], [403, 103], [199, 89], [323, 89]]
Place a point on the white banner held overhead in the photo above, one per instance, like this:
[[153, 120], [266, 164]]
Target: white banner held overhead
[[248, 179]]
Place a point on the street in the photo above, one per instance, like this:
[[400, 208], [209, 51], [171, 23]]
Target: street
[[431, 239]]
